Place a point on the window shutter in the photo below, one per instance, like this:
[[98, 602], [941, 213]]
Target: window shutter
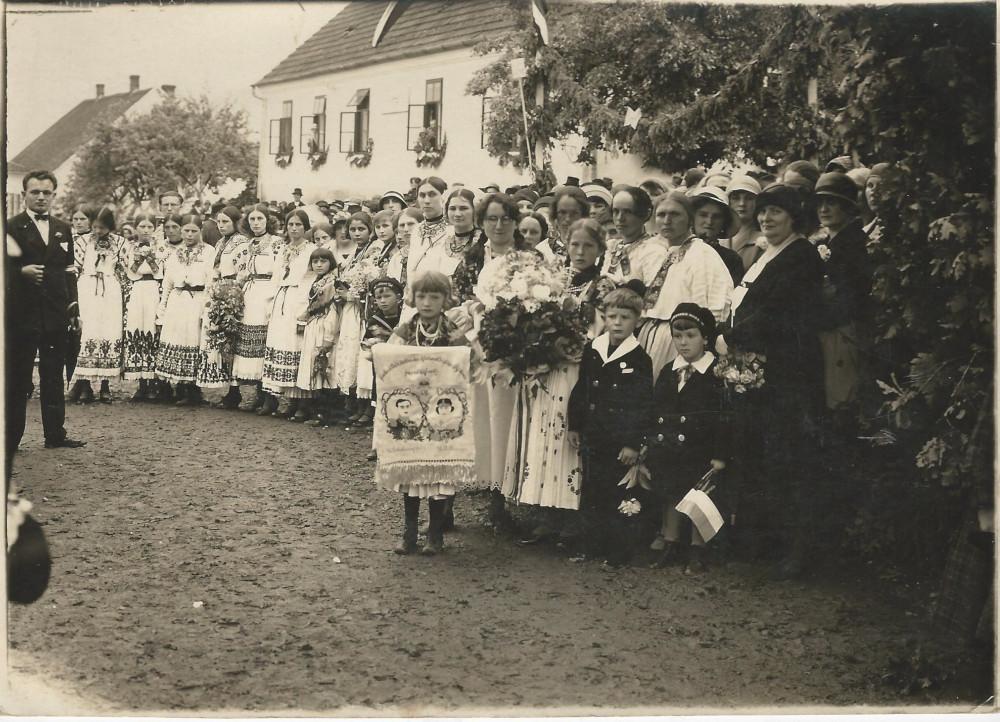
[[274, 142], [285, 144], [305, 133], [347, 138], [414, 124]]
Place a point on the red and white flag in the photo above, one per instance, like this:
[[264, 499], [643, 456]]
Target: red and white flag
[[539, 9]]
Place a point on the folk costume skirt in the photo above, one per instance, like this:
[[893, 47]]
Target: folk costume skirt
[[348, 347], [100, 298], [179, 355], [248, 362], [141, 339], [283, 347], [542, 468]]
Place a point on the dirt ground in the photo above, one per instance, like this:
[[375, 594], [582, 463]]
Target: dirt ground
[[212, 560]]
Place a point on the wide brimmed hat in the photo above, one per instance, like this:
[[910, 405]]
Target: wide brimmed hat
[[593, 190], [712, 194], [837, 185], [396, 195], [526, 194]]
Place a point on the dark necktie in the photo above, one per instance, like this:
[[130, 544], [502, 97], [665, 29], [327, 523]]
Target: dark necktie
[[43, 217]]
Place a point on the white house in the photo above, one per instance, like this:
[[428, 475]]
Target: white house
[[375, 77], [57, 148]]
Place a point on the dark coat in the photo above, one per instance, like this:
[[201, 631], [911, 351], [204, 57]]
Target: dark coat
[[45, 308], [609, 405], [848, 279], [779, 318], [734, 264], [686, 430]]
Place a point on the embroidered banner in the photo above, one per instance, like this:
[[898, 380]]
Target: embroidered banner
[[423, 425]]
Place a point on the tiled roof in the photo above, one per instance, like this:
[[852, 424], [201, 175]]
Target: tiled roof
[[74, 130], [419, 27]]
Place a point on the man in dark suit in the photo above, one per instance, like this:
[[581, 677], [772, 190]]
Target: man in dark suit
[[296, 199], [41, 311]]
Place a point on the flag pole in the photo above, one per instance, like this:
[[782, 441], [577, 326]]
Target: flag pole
[[524, 116]]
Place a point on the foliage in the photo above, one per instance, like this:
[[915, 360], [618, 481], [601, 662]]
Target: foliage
[[316, 155], [283, 160], [706, 87], [224, 312], [180, 144], [362, 158], [429, 151]]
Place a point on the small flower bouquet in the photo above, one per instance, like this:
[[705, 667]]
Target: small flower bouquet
[[357, 277], [532, 324], [225, 307], [630, 507], [741, 371], [321, 364], [824, 251]]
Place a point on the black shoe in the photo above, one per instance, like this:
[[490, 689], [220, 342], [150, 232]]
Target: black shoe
[[87, 395], [75, 392], [411, 510], [105, 395], [66, 443], [230, 401]]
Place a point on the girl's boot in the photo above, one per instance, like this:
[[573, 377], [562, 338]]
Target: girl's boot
[[166, 394], [435, 535], [411, 510], [87, 395], [105, 395], [75, 392], [140, 394], [303, 411], [269, 406], [231, 400]]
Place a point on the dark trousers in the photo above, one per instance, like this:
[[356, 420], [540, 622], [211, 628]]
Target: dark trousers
[[20, 359]]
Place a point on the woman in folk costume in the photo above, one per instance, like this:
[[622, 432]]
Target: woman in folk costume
[[143, 263], [427, 240], [569, 205], [100, 296], [406, 221], [494, 395], [352, 313], [229, 264], [263, 254], [464, 233], [319, 323], [692, 272], [182, 306], [283, 346], [543, 468], [636, 254], [385, 234]]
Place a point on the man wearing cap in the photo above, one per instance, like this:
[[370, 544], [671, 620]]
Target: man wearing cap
[[599, 198], [713, 220], [296, 199], [742, 192], [844, 315]]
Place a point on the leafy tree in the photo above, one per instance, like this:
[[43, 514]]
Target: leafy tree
[[181, 144]]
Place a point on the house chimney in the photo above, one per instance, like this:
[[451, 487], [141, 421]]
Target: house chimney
[[133, 83], [168, 90], [100, 90]]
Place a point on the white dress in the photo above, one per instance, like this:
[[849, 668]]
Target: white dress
[[229, 267], [695, 274], [283, 347], [320, 332], [140, 337], [258, 294], [101, 308], [352, 327], [182, 307]]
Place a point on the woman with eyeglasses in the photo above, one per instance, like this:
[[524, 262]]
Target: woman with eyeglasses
[[493, 400]]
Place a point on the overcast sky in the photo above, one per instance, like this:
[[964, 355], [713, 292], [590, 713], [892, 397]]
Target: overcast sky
[[56, 54]]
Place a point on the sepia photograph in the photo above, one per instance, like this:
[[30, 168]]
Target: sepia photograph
[[499, 358]]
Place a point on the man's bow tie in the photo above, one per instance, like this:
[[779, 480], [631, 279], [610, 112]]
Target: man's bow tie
[[41, 216]]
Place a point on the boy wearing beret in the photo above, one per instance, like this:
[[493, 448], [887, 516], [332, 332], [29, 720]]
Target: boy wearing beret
[[686, 435]]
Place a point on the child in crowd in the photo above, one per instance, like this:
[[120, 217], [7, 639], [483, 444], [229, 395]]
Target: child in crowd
[[387, 296], [687, 431], [431, 294], [608, 409], [319, 324]]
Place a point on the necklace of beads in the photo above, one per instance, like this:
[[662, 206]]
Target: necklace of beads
[[428, 338]]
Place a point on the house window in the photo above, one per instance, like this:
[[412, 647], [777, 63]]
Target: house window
[[281, 131], [312, 128], [487, 116], [354, 124], [427, 115]]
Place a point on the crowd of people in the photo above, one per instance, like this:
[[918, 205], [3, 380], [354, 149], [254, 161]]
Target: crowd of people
[[728, 326]]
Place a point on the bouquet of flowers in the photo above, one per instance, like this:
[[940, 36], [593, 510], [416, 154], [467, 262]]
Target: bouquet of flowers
[[321, 364], [741, 370], [225, 307], [357, 277], [532, 324]]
